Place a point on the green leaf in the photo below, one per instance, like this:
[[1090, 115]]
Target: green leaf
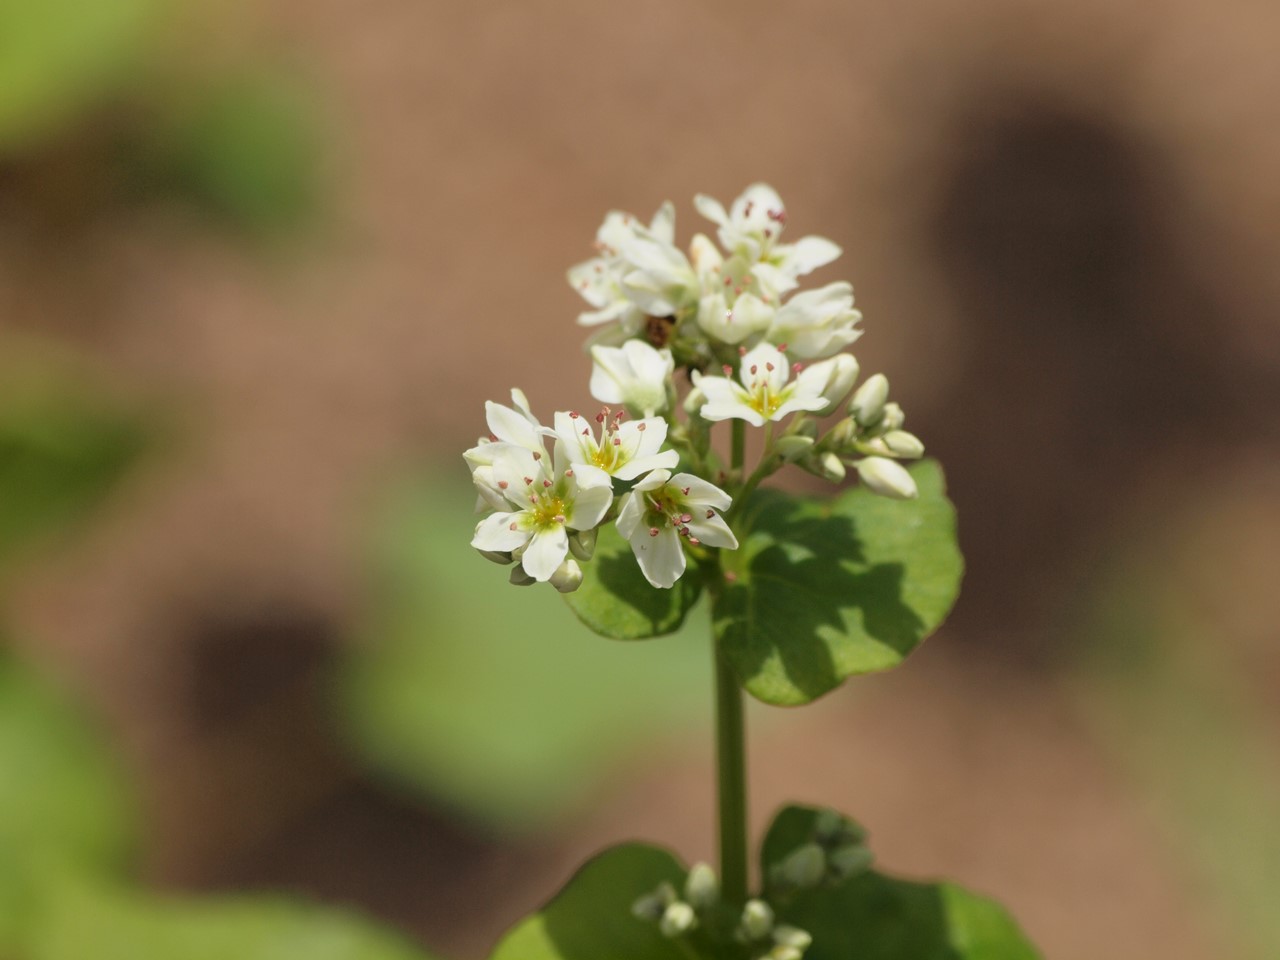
[[591, 919], [90, 921], [61, 452], [65, 808], [825, 590], [492, 697], [871, 916], [616, 601]]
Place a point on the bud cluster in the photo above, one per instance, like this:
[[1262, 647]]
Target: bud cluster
[[835, 851]]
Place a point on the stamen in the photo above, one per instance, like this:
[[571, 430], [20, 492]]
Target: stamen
[[528, 480], [653, 531], [686, 517], [502, 484], [782, 348], [767, 366], [754, 369], [641, 425], [573, 414], [685, 491], [546, 484], [742, 351], [710, 514], [617, 441], [537, 455], [559, 518], [695, 541], [728, 370], [512, 527], [568, 473]]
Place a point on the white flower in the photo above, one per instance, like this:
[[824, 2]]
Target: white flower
[[634, 374], [751, 229], [624, 450], [840, 371], [765, 393], [661, 509], [638, 272], [542, 504], [817, 323], [508, 428]]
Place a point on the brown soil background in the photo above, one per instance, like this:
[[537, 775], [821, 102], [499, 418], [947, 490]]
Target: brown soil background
[[1062, 222]]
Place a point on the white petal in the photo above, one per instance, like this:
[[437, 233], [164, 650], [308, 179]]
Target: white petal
[[661, 557], [653, 481], [494, 532], [507, 424], [713, 531], [765, 362], [667, 460], [702, 493], [545, 552], [630, 515], [809, 253], [663, 224], [711, 208], [589, 507]]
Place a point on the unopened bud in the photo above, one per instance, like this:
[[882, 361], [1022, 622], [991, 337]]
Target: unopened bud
[[843, 434], [784, 952], [793, 447], [757, 920], [904, 444], [887, 478], [677, 919], [804, 867], [842, 371], [893, 417], [519, 578], [787, 936], [582, 543], [831, 467], [867, 405], [849, 860], [568, 576], [653, 905], [701, 888], [502, 557]]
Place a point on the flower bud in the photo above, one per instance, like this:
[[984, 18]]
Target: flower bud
[[677, 919], [784, 952], [653, 905], [582, 543], [757, 920], [893, 417], [886, 478], [804, 867], [867, 406], [903, 444], [787, 936], [831, 467], [701, 888], [501, 557], [793, 447], [519, 578], [850, 859], [842, 371], [843, 434], [568, 576]]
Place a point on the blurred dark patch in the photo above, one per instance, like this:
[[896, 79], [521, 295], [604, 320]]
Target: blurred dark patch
[[1090, 349], [423, 869], [243, 656]]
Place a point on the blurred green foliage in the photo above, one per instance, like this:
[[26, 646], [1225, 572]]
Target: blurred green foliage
[[61, 58], [62, 449], [91, 89], [495, 699], [1166, 672]]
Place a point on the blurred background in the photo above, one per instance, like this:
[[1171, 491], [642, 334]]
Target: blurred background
[[260, 266]]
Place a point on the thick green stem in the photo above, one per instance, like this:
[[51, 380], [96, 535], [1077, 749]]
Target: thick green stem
[[731, 763]]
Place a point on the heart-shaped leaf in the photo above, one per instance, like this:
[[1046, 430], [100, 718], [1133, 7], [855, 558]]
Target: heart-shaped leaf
[[616, 601], [591, 919], [822, 590], [870, 916]]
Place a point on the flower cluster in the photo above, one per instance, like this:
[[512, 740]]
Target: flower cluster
[[750, 349]]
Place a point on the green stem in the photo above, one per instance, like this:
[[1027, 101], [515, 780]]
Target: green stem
[[731, 763]]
